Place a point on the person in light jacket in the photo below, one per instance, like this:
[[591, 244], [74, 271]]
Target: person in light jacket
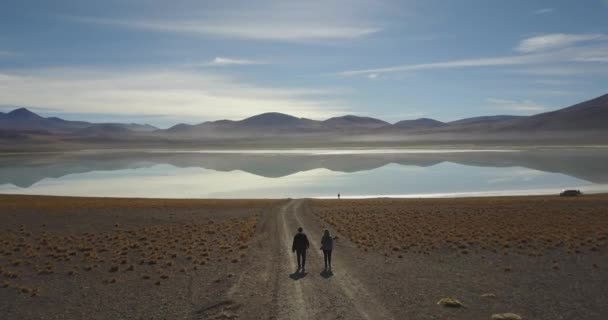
[[327, 245]]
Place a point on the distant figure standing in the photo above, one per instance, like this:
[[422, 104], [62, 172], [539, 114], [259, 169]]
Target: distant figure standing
[[327, 245], [338, 196], [300, 245]]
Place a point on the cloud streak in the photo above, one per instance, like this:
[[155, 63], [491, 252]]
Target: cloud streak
[[537, 52], [464, 63], [182, 95], [286, 21], [555, 41], [223, 61], [544, 11], [518, 106], [255, 30]]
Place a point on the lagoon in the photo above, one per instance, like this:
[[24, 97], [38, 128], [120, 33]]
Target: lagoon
[[300, 173]]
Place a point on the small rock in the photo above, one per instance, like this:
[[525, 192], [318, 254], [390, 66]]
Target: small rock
[[488, 295], [506, 316]]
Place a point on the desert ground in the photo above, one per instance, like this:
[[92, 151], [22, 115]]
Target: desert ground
[[541, 257]]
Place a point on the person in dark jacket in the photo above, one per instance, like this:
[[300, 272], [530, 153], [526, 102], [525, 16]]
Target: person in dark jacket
[[299, 246], [327, 245]]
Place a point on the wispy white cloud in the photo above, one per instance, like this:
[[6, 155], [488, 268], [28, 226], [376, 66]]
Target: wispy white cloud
[[555, 41], [595, 52], [181, 94], [279, 31], [544, 11], [518, 106], [223, 61], [478, 62], [292, 21]]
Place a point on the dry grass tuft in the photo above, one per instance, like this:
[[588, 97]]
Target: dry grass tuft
[[450, 302]]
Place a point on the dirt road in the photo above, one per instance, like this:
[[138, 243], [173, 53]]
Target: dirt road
[[281, 293]]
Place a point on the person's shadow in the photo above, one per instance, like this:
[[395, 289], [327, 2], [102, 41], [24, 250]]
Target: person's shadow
[[297, 275], [326, 274]]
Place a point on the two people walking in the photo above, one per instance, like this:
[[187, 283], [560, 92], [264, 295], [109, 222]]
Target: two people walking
[[301, 244]]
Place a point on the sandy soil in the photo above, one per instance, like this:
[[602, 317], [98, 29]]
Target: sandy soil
[[539, 257], [77, 258], [93, 258]]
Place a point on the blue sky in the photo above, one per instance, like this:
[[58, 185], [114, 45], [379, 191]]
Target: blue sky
[[164, 62]]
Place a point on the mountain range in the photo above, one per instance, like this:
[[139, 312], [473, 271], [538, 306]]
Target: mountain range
[[22, 119], [586, 120]]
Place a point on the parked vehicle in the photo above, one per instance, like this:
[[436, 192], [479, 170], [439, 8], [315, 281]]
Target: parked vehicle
[[571, 193]]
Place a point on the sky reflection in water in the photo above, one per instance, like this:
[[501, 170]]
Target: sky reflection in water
[[280, 176]]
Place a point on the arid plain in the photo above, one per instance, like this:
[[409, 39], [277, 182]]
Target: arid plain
[[541, 257]]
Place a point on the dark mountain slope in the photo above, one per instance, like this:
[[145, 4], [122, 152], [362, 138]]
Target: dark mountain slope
[[483, 119], [350, 121], [422, 123], [585, 116]]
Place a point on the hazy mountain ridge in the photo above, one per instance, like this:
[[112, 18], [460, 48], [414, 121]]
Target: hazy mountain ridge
[[572, 122], [22, 119], [274, 121], [351, 121]]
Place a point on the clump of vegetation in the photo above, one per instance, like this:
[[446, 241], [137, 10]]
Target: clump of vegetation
[[450, 302]]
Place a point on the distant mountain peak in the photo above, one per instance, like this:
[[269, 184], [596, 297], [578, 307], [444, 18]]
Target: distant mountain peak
[[271, 118], [271, 115], [419, 123], [23, 113]]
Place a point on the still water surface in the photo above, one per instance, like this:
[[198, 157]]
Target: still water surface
[[306, 173]]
